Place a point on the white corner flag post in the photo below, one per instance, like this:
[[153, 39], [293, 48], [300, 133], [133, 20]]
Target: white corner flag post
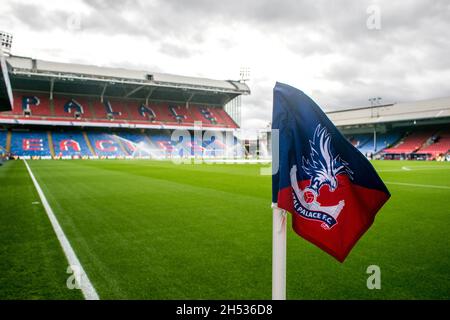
[[278, 253]]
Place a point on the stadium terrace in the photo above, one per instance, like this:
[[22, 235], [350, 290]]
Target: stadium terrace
[[111, 112]]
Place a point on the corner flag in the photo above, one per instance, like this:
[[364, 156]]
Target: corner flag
[[329, 187]]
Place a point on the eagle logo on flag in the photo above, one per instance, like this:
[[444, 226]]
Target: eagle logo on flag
[[323, 169], [331, 189]]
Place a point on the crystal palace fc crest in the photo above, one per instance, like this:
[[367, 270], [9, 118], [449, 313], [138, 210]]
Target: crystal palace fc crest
[[322, 168]]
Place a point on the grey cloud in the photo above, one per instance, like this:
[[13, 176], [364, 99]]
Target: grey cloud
[[178, 18], [37, 18], [175, 50]]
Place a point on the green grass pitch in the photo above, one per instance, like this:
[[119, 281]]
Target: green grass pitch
[[156, 230]]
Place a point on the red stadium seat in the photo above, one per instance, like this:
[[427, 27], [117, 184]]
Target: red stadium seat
[[121, 110], [441, 146], [120, 107], [116, 109], [195, 113], [38, 104], [411, 143], [179, 114], [66, 106], [140, 112], [227, 120], [163, 114]]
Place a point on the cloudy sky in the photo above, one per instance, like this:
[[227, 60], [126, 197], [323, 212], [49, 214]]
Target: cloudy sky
[[339, 52]]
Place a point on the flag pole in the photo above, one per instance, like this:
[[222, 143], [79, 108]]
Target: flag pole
[[278, 253]]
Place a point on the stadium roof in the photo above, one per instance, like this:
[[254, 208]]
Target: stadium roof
[[67, 78], [396, 112]]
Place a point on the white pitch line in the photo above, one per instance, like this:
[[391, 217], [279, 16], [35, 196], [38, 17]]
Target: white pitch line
[[426, 168], [86, 286], [238, 161], [417, 185]]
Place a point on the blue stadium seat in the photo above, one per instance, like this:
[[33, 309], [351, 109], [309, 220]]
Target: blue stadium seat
[[136, 144], [105, 145], [163, 142], [3, 134], [384, 140], [30, 143], [70, 144]]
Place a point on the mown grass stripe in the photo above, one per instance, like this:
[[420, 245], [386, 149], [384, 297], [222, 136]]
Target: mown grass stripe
[[86, 286]]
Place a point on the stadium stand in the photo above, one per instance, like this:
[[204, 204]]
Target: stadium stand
[[167, 148], [141, 111], [3, 134], [153, 112], [30, 143], [215, 146], [70, 144], [211, 116], [205, 115], [134, 137], [66, 110], [179, 114], [411, 142], [106, 145], [31, 104], [138, 144], [383, 141], [73, 144], [210, 146], [110, 109], [359, 140], [439, 144], [227, 120], [71, 107], [163, 142]]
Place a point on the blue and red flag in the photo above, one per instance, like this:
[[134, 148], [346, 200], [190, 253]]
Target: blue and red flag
[[329, 187]]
